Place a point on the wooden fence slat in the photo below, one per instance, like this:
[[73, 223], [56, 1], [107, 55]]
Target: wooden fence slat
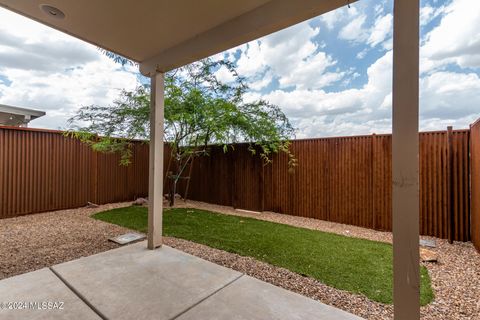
[[344, 179], [348, 180], [41, 170], [475, 183]]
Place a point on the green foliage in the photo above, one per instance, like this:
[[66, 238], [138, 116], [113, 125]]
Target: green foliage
[[117, 58], [105, 144], [200, 111], [352, 264]]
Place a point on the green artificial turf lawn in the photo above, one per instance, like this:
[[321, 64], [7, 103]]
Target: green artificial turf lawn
[[346, 263]]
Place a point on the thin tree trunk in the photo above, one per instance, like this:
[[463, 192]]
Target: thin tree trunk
[[173, 191]]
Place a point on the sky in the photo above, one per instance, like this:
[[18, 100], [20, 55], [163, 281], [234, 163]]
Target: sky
[[330, 75]]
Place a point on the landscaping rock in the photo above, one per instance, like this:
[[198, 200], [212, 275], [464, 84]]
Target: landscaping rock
[[428, 255], [61, 236], [455, 281], [140, 202], [91, 205], [36, 241]]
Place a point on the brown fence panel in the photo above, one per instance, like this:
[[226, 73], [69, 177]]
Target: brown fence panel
[[248, 179], [382, 182], [332, 181], [475, 183], [210, 181], [117, 182], [346, 179], [461, 185], [350, 174], [434, 184], [42, 170], [138, 179], [279, 189]]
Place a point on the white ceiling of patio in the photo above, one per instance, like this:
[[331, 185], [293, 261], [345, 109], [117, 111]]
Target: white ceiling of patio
[[166, 33]]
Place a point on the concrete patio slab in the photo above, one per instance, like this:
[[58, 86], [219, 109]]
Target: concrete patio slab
[[135, 283], [250, 299], [37, 288]]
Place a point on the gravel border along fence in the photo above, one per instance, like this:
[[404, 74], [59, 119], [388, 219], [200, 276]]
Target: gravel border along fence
[[36, 241]]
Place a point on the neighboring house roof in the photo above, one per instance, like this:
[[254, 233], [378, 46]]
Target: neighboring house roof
[[15, 116]]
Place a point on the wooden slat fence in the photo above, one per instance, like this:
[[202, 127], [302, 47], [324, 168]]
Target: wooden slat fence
[[475, 183], [344, 179], [42, 170]]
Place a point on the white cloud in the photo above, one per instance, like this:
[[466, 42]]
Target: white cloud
[[283, 49], [360, 55], [456, 39], [428, 13], [319, 113], [308, 103], [446, 98], [450, 95], [381, 30], [291, 56], [54, 72], [379, 9], [311, 73], [336, 17], [355, 30], [251, 59], [60, 94], [262, 81], [224, 75], [294, 62]]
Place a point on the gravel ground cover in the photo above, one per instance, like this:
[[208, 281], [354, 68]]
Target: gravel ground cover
[[36, 241], [41, 240], [455, 278]]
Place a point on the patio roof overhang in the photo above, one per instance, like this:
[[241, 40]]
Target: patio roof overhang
[[161, 35]]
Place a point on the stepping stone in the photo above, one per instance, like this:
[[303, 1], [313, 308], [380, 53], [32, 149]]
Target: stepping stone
[[428, 243], [127, 238]]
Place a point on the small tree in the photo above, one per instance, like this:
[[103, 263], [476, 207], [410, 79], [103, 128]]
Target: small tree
[[200, 111]]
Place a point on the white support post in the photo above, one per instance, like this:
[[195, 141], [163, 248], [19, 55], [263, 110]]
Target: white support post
[[406, 264], [155, 179]]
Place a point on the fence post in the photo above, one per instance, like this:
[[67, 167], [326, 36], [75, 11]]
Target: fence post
[[475, 184], [451, 189], [3, 167]]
